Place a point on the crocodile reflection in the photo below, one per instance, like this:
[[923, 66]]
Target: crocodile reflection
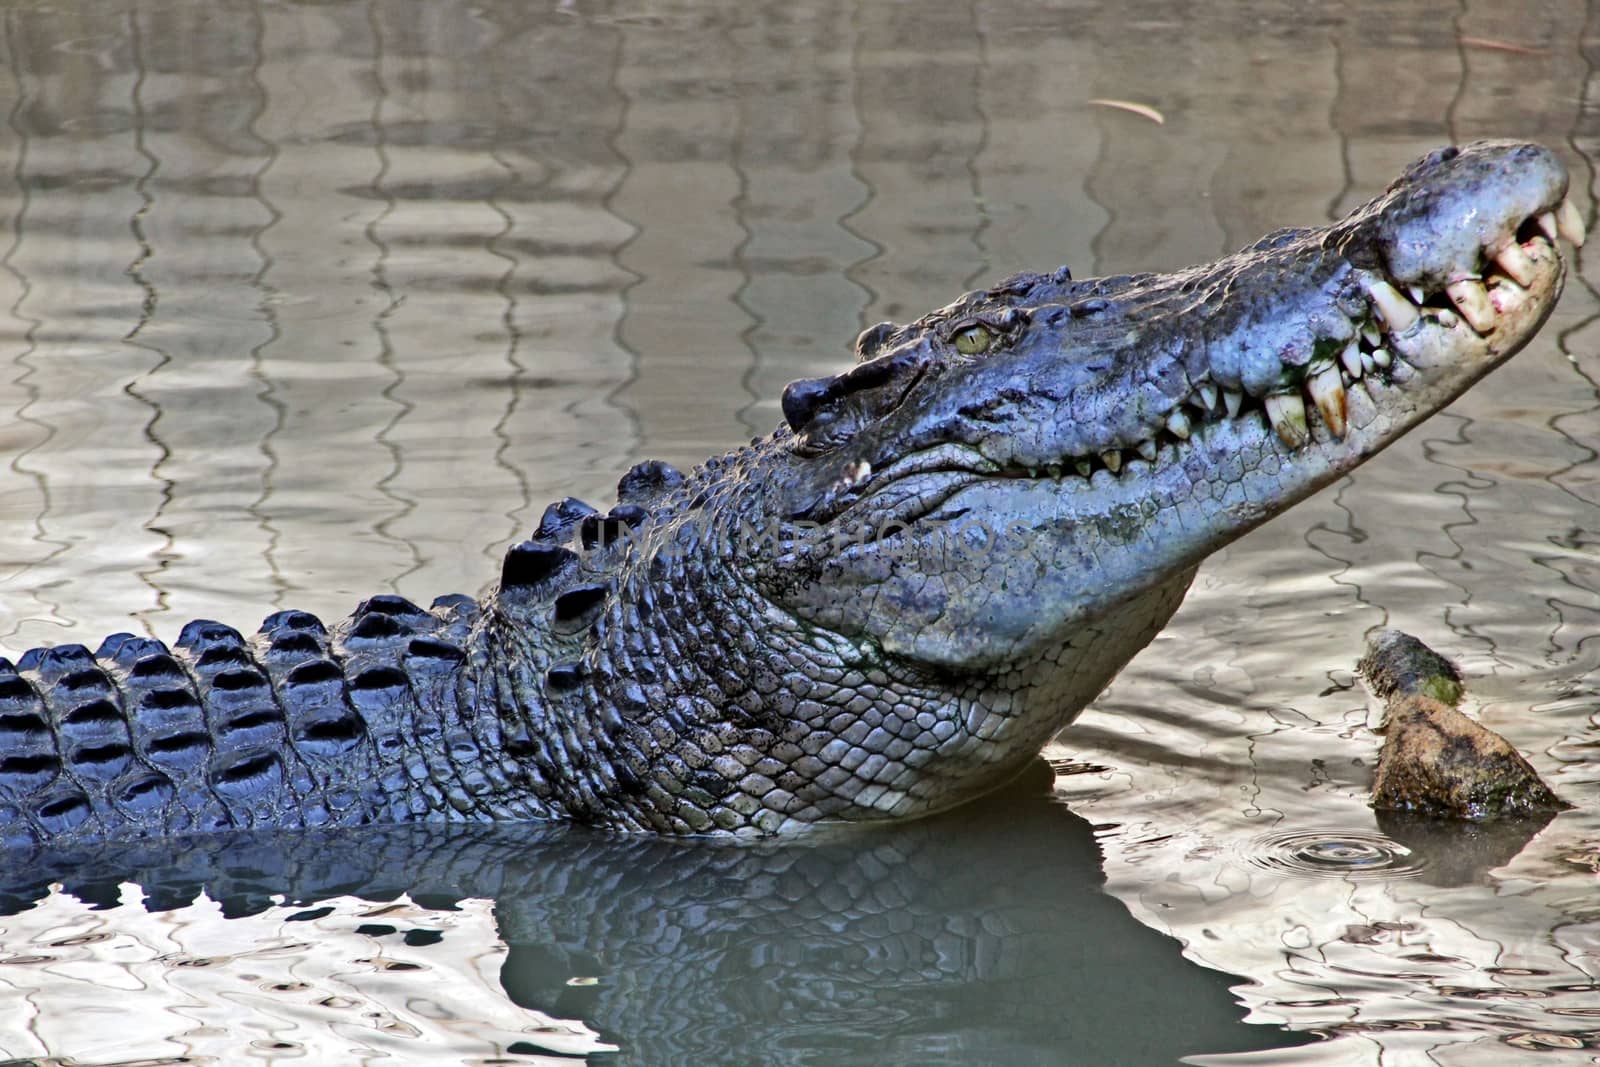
[[975, 937]]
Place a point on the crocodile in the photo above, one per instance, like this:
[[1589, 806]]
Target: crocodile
[[882, 609]]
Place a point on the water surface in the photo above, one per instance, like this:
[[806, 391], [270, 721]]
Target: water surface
[[304, 302]]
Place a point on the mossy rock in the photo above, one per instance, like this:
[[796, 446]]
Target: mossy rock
[[1436, 761]]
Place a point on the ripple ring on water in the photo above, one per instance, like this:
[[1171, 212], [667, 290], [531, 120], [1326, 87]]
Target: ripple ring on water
[[1335, 852]]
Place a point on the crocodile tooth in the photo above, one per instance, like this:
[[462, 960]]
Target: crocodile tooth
[[1147, 449], [1327, 392], [1235, 400], [1361, 410], [1472, 300], [1368, 363], [1178, 424], [1371, 334], [1351, 358], [1054, 470], [1287, 413], [1382, 358], [1416, 293], [1507, 296], [1515, 262], [1569, 221], [1446, 318], [1083, 467], [1208, 393], [1112, 458], [1398, 312], [1547, 223]]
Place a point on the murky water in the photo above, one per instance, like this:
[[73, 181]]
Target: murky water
[[303, 302]]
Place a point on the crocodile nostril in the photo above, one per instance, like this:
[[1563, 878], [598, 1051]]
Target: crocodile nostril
[[804, 397]]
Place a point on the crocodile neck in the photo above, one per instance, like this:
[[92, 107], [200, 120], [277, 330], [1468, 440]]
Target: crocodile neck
[[688, 701]]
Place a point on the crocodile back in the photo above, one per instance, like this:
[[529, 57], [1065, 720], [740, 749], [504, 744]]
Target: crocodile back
[[298, 725]]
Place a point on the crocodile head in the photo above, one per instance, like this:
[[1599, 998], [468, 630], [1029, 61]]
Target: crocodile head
[[893, 601], [1001, 472]]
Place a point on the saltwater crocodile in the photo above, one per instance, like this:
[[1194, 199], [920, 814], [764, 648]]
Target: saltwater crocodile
[[882, 609]]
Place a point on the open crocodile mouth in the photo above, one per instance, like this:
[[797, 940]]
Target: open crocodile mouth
[[1474, 319]]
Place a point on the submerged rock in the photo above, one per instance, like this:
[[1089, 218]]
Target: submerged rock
[[1436, 761]]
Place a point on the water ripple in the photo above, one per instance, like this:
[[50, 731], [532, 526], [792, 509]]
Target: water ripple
[[1336, 852]]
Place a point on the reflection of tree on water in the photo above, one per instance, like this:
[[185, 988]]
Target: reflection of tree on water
[[977, 937]]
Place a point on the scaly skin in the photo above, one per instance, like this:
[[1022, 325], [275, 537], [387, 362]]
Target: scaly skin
[[882, 609]]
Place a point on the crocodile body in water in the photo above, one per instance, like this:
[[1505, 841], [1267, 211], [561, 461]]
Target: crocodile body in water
[[882, 609]]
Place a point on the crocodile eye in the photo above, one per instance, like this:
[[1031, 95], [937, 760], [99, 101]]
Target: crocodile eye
[[974, 340]]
